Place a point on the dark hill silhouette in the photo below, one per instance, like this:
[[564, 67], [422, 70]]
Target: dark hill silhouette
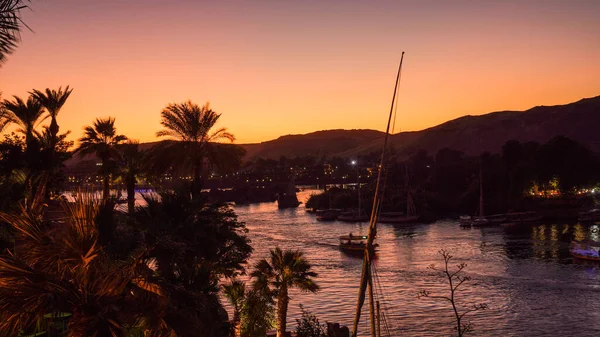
[[579, 121], [319, 143], [475, 134]]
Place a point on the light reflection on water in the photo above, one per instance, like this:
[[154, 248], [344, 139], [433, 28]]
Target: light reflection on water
[[525, 275]]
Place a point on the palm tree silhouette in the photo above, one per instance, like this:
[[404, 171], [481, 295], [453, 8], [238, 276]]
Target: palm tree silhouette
[[189, 127], [285, 270], [27, 115], [10, 25], [133, 162], [235, 292], [101, 140], [52, 101]]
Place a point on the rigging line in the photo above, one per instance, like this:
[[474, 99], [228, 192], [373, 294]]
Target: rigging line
[[387, 328], [384, 301], [396, 107], [385, 305], [378, 287], [396, 98]]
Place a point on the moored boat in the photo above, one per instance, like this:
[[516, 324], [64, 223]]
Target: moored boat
[[496, 218], [585, 250], [480, 221], [591, 215], [353, 217], [465, 220], [523, 217], [328, 214], [398, 219], [354, 244]]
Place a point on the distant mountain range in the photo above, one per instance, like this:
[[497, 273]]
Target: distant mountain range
[[471, 134]]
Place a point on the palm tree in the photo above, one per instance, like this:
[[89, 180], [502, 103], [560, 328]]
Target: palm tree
[[194, 245], [286, 270], [52, 101], [132, 165], [235, 293], [10, 25], [27, 115], [189, 127], [101, 139]]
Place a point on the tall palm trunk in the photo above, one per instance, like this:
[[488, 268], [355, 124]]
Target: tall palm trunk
[[236, 324], [130, 182], [196, 183], [106, 187], [53, 137], [105, 178], [282, 307], [53, 129], [29, 140]]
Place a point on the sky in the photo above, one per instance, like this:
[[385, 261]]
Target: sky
[[290, 67]]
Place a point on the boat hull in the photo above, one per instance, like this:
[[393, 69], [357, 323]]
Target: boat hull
[[328, 215], [353, 218], [589, 216], [523, 217], [399, 219], [355, 249], [481, 222], [469, 221], [585, 250]]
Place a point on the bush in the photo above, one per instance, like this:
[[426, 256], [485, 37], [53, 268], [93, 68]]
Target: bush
[[309, 326]]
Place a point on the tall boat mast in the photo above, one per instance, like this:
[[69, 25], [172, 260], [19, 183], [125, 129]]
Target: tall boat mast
[[365, 279], [480, 189]]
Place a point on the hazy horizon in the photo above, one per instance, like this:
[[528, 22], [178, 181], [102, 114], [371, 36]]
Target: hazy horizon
[[275, 68]]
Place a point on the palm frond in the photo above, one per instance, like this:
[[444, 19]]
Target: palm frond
[[26, 114], [101, 139], [52, 100], [10, 26]]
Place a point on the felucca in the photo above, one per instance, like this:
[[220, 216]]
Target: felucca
[[368, 275]]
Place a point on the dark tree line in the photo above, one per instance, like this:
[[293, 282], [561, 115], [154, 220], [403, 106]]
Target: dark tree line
[[448, 183]]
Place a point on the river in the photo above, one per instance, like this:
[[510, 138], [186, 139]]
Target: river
[[525, 275]]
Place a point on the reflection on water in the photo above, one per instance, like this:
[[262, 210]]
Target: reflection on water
[[525, 274]]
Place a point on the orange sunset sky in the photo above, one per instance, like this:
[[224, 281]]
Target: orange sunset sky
[[288, 67]]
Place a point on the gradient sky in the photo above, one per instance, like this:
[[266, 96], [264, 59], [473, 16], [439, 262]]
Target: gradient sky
[[288, 67]]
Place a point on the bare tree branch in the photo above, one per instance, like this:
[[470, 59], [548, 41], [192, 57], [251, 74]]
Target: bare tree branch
[[455, 280]]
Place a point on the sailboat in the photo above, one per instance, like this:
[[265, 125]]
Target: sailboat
[[479, 219], [366, 279], [410, 216], [357, 216], [330, 214]]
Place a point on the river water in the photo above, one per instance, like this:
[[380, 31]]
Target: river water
[[525, 275]]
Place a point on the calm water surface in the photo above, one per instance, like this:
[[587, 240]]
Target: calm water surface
[[526, 276]]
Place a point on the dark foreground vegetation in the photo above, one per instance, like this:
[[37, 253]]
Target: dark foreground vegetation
[[85, 267]]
